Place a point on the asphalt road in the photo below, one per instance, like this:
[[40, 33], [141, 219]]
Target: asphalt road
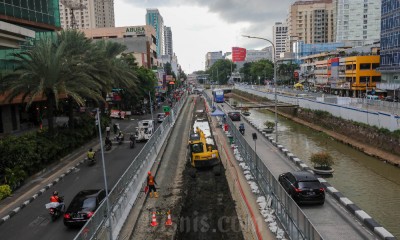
[[34, 223], [331, 219]]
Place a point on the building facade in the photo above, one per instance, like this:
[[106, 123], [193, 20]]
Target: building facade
[[357, 20], [301, 49], [154, 18], [280, 31], [20, 23], [86, 14], [310, 22], [139, 40], [169, 50], [211, 58], [390, 47]]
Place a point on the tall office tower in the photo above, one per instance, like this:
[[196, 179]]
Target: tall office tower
[[168, 41], [85, 14], [357, 20], [390, 46], [310, 22], [280, 35], [154, 18]]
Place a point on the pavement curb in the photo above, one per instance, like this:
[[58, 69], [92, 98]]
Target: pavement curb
[[38, 193], [367, 220]]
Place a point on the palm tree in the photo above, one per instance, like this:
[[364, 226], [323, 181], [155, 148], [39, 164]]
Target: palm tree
[[108, 70], [77, 45], [45, 71]]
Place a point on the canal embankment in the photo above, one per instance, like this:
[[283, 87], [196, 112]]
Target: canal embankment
[[374, 142]]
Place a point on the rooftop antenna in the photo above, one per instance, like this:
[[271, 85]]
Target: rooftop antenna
[[73, 5]]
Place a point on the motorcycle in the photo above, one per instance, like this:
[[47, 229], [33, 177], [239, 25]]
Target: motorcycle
[[119, 140], [132, 144], [56, 209], [91, 161], [108, 146], [241, 131]]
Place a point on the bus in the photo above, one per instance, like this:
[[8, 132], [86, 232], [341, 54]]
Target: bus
[[218, 95]]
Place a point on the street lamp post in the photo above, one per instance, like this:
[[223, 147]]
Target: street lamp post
[[104, 175], [275, 84]]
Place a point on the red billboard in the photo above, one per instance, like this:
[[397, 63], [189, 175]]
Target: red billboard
[[238, 54]]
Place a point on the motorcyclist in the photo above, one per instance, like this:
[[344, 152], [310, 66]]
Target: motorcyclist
[[120, 136], [55, 198], [241, 128], [132, 139], [108, 141], [90, 154]]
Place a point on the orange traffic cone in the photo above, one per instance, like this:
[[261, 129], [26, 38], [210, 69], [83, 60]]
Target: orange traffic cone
[[154, 220], [169, 220]]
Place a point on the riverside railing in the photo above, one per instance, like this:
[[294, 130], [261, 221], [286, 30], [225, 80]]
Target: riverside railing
[[289, 214], [124, 194]]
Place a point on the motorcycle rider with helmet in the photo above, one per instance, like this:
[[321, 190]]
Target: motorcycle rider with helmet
[[55, 198]]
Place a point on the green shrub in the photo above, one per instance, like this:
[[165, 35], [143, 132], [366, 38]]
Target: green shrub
[[5, 191], [25, 155], [322, 159], [321, 114]]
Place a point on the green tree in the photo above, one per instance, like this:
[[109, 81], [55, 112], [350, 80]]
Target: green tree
[[246, 72], [45, 71], [262, 69], [221, 69], [78, 46]]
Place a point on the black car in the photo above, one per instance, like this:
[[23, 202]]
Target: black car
[[234, 116], [83, 206], [303, 187]]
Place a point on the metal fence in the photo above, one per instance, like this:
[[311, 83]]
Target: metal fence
[[124, 194], [291, 217]]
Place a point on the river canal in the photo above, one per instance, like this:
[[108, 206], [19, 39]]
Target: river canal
[[370, 183]]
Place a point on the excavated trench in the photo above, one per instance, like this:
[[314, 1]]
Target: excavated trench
[[208, 210]]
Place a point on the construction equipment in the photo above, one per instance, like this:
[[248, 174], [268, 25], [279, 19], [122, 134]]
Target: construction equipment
[[73, 5], [201, 153]]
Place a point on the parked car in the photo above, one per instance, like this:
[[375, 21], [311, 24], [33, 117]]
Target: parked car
[[303, 187], [391, 99], [234, 116], [83, 206], [161, 117]]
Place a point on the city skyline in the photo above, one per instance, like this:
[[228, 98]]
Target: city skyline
[[193, 37]]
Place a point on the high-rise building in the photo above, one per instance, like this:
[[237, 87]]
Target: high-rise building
[[280, 35], [310, 22], [20, 23], [357, 20], [154, 18], [212, 57], [168, 41], [390, 48], [85, 14]]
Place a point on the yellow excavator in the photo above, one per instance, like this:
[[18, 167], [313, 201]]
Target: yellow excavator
[[201, 153]]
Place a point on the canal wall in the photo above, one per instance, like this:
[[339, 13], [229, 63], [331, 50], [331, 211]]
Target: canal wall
[[351, 207], [372, 141]]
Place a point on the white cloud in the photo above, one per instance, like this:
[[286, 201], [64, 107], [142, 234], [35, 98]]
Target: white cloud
[[201, 26]]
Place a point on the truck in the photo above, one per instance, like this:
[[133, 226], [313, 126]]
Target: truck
[[202, 154], [144, 130]]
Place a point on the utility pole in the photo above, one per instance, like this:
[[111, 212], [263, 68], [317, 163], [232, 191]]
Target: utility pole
[[104, 174], [151, 107]]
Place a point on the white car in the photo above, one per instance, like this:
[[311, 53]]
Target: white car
[[161, 117]]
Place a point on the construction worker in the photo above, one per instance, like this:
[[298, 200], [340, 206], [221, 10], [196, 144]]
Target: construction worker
[[151, 181]]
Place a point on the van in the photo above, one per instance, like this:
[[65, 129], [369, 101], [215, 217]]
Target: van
[[372, 97]]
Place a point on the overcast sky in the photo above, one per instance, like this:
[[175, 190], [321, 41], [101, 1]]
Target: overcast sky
[[201, 26]]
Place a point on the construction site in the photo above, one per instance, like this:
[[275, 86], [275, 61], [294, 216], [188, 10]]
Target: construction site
[[193, 202]]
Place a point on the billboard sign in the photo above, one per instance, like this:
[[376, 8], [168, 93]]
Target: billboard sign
[[238, 54]]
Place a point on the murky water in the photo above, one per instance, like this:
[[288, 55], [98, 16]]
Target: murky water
[[370, 183]]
